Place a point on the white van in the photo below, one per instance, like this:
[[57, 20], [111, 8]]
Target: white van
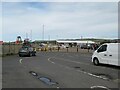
[[107, 54]]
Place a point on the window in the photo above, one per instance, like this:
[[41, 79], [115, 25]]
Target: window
[[102, 48]]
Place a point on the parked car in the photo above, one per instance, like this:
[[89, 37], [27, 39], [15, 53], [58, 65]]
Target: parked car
[[85, 46], [62, 46], [107, 54], [27, 51]]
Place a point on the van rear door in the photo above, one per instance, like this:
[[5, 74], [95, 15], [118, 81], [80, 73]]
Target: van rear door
[[113, 54]]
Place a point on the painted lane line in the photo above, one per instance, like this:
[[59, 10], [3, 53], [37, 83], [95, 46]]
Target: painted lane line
[[58, 87], [100, 87], [53, 62], [90, 74], [50, 60], [20, 61], [83, 63]]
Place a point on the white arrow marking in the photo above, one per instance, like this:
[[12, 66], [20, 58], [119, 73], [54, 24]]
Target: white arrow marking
[[20, 61]]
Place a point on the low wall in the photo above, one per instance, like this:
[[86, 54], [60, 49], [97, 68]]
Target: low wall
[[0, 50], [8, 49]]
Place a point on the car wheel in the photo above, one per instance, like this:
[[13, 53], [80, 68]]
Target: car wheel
[[96, 61], [20, 55], [33, 54], [29, 54]]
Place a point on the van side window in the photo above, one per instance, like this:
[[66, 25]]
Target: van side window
[[102, 48]]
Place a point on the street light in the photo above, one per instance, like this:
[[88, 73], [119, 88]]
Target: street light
[[31, 35], [43, 33]]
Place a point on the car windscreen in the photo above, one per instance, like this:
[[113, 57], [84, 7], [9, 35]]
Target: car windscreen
[[24, 48]]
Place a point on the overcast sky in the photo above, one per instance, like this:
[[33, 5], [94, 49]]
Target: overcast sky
[[61, 20]]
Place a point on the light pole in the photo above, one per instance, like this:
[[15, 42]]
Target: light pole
[[31, 35], [43, 33], [81, 37], [26, 35], [49, 37], [57, 37]]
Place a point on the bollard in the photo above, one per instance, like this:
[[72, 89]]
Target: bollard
[[67, 49], [77, 48], [3, 49], [88, 49], [58, 49], [9, 48], [50, 49], [14, 49]]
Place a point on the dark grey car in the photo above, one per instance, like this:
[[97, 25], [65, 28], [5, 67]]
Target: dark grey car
[[27, 51]]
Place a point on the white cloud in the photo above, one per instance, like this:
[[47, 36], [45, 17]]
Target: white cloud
[[62, 20], [0, 22], [60, 0]]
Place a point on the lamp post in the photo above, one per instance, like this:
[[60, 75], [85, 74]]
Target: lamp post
[[31, 35], [43, 33], [26, 35]]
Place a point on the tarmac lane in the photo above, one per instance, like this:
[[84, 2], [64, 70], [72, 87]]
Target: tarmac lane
[[65, 70]]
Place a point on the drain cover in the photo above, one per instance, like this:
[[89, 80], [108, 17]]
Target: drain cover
[[47, 81], [33, 73]]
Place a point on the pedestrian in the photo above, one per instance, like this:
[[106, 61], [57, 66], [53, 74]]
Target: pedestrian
[[77, 48]]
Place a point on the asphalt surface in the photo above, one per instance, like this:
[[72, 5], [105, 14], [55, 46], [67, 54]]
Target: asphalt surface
[[57, 70]]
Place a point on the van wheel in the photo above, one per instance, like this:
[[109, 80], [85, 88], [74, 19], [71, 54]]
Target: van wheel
[[96, 62], [20, 55]]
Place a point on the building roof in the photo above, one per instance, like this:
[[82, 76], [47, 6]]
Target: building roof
[[62, 41]]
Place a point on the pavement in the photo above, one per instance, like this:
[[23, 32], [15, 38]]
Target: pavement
[[57, 70]]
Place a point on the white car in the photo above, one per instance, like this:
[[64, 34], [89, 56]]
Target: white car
[[107, 54]]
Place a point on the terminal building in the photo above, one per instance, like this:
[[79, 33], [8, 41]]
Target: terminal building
[[75, 42]]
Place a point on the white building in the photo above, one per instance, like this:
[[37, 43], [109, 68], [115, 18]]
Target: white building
[[70, 42]]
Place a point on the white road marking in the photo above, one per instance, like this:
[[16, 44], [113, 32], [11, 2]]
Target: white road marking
[[53, 62], [50, 60], [20, 61], [90, 74], [82, 63], [58, 87], [100, 87]]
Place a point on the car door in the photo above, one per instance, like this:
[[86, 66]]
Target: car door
[[102, 54]]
